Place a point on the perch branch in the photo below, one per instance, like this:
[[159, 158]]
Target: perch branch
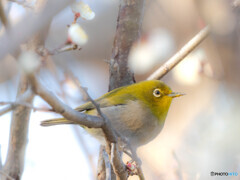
[[61, 108], [110, 135], [180, 55], [72, 115]]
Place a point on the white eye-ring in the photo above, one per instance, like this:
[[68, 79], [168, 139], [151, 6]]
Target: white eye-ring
[[157, 92]]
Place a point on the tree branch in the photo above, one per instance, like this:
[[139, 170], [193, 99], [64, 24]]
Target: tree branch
[[79, 118], [18, 103], [61, 108], [18, 136], [104, 165], [180, 55], [110, 135], [10, 41], [128, 31], [23, 98], [3, 17]]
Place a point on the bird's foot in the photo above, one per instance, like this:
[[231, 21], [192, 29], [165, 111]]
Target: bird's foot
[[131, 168]]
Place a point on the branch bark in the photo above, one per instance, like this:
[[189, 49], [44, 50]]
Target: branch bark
[[80, 118], [3, 17], [129, 24], [18, 136], [180, 55], [61, 108]]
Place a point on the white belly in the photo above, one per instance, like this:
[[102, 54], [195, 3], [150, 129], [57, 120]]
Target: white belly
[[132, 121]]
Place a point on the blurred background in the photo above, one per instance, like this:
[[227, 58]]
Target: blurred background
[[202, 128]]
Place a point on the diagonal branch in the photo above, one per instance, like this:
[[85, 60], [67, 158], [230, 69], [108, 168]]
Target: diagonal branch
[[63, 109], [180, 55], [77, 117]]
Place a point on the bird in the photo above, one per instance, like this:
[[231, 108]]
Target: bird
[[137, 111]]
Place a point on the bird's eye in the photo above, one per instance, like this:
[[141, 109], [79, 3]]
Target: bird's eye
[[157, 92]]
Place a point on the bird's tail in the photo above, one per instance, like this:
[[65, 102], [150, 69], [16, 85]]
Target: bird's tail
[[58, 121]]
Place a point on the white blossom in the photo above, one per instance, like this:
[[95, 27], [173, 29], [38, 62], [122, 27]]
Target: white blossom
[[77, 35], [84, 10], [29, 61]]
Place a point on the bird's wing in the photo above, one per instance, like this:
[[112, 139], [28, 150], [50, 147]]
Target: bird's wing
[[116, 97]]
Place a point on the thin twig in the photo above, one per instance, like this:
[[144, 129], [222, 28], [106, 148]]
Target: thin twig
[[23, 98], [29, 105], [180, 55], [107, 165], [64, 48]]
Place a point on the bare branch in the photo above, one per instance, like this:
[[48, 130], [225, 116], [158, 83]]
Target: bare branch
[[65, 48], [104, 165], [23, 98], [61, 108], [117, 163], [3, 17], [128, 31], [110, 136], [101, 169], [18, 135], [29, 105], [180, 55], [10, 41]]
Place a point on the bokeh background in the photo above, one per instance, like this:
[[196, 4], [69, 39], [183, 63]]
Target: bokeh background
[[202, 129]]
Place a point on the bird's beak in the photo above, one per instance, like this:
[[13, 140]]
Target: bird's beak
[[175, 94]]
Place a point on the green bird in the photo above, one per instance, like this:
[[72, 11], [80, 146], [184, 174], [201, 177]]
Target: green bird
[[136, 111]]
